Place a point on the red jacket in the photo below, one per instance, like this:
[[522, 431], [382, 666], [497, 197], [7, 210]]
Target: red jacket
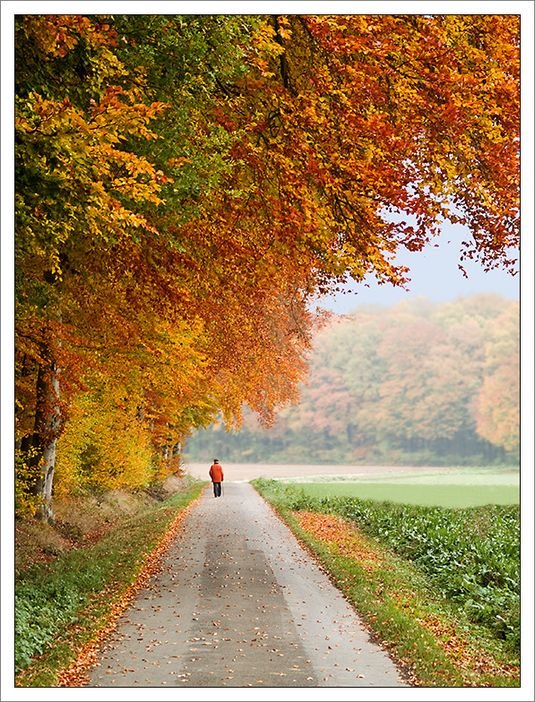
[[216, 473]]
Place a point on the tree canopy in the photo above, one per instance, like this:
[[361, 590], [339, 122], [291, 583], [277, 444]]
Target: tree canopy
[[185, 185]]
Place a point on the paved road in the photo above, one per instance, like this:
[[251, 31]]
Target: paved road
[[238, 603]]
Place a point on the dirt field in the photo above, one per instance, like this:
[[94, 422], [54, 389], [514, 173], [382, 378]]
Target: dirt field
[[248, 471]]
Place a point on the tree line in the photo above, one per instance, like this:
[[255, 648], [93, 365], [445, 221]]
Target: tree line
[[418, 383], [185, 185]]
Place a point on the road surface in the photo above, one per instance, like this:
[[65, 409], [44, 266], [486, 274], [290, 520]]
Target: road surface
[[239, 603]]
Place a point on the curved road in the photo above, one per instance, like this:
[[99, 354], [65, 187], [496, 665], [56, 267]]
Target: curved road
[[239, 603]]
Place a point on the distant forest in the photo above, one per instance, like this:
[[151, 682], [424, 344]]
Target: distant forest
[[418, 383]]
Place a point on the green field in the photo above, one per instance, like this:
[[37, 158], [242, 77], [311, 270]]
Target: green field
[[448, 489]]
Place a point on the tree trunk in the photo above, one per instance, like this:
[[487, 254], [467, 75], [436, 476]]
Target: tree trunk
[[46, 481], [47, 429]]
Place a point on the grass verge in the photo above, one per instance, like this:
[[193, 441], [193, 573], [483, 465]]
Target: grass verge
[[64, 608], [430, 637]]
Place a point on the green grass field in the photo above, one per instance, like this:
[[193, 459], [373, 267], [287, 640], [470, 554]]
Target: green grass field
[[448, 489]]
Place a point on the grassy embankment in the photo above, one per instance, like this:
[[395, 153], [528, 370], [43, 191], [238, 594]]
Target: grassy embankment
[[65, 604], [438, 587]]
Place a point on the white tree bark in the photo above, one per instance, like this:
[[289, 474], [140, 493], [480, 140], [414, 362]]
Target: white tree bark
[[47, 424]]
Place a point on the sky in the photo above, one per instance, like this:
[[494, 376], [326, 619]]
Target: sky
[[434, 274]]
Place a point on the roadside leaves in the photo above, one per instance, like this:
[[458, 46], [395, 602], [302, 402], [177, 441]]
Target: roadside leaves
[[342, 536], [76, 674], [427, 630]]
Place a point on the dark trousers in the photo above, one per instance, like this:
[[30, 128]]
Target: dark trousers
[[217, 489]]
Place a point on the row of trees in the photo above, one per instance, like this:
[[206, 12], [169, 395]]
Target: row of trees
[[186, 184], [418, 383]]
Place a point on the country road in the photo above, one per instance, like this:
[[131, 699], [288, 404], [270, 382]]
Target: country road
[[239, 603]]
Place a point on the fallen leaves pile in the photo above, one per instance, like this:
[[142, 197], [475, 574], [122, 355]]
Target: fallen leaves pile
[[76, 675], [347, 538], [462, 653]]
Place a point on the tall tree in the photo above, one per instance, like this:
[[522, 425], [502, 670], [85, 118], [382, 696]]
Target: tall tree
[[497, 405], [187, 184], [77, 190]]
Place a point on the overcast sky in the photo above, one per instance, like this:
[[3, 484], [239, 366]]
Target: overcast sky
[[434, 274]]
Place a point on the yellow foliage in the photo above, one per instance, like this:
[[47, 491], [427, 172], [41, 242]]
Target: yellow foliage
[[26, 501], [104, 445]]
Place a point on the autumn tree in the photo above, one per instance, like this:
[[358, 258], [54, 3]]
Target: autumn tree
[[497, 406], [77, 190], [187, 184], [416, 383]]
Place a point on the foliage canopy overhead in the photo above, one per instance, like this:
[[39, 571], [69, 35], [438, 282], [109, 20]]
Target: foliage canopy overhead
[[185, 185]]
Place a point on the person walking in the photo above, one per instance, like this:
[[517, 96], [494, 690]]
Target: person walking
[[216, 474]]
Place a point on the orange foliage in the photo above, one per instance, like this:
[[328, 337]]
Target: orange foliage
[[348, 540], [172, 230]]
